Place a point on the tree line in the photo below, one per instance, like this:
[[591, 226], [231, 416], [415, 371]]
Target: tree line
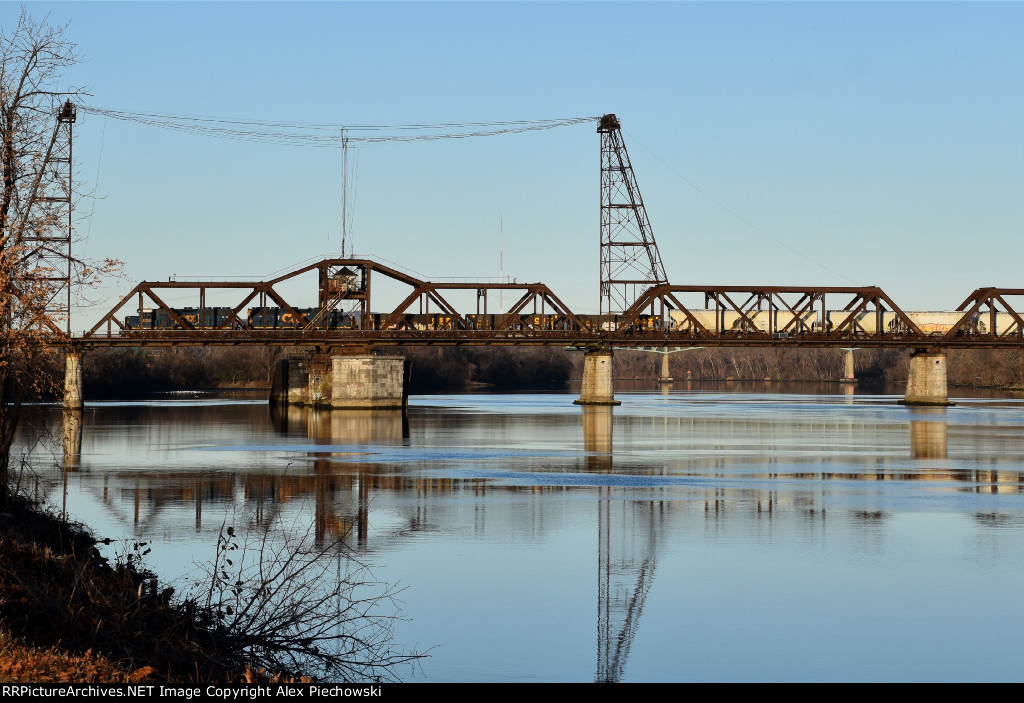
[[112, 372]]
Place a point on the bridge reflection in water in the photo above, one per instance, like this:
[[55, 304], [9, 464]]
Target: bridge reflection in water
[[376, 479]]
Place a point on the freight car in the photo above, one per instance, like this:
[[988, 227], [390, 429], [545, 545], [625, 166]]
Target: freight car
[[864, 323], [730, 321], [939, 322], [778, 323], [161, 319], [263, 318]]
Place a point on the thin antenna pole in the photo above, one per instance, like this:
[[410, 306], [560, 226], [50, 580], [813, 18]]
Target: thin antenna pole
[[501, 257], [344, 190]]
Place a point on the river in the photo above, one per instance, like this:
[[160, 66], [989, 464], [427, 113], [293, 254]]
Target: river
[[700, 533]]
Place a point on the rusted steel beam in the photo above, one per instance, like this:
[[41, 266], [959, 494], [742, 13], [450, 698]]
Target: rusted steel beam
[[791, 310], [999, 295]]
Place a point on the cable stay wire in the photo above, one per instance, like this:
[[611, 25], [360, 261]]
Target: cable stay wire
[[328, 135], [742, 219]]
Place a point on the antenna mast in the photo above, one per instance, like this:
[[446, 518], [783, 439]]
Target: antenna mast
[[344, 190], [630, 262]]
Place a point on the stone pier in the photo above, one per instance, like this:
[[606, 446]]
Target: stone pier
[[666, 377], [368, 381], [350, 381], [848, 376], [597, 388], [290, 382], [926, 382], [73, 380]]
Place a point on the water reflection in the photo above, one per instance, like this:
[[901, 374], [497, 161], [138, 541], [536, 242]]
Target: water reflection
[[628, 534], [928, 430], [72, 438], [163, 457], [505, 492], [352, 426], [597, 437]]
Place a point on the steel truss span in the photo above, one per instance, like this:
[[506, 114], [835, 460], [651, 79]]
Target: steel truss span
[[345, 315]]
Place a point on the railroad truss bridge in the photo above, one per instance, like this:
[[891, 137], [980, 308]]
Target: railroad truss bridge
[[350, 325], [347, 323]]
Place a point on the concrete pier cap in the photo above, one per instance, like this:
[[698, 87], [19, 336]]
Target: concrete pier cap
[[926, 380]]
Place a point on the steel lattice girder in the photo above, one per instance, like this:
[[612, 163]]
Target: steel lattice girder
[[797, 308]]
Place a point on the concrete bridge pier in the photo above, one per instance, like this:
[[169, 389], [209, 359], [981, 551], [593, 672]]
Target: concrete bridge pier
[[290, 382], [597, 388], [73, 380], [926, 382], [344, 380], [369, 381], [848, 376], [665, 377]]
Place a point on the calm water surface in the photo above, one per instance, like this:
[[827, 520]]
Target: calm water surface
[[685, 535]]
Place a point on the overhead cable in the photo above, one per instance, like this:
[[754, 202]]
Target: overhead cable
[[328, 135]]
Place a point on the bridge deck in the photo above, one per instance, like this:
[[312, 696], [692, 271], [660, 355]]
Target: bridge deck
[[357, 338]]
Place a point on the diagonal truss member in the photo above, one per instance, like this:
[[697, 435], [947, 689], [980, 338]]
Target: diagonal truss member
[[630, 262]]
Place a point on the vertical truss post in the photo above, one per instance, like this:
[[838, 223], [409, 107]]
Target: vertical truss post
[[630, 261]]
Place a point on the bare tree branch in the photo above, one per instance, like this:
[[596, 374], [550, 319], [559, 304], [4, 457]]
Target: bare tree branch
[[288, 605], [34, 56]]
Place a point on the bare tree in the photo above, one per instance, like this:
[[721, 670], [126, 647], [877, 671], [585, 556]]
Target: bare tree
[[33, 104], [293, 607]]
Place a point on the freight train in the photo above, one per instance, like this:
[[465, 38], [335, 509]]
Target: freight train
[[272, 318], [276, 318], [780, 323]]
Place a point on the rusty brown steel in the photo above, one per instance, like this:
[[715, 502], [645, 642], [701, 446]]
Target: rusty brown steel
[[798, 316]]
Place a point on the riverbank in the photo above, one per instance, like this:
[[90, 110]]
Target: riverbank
[[68, 615]]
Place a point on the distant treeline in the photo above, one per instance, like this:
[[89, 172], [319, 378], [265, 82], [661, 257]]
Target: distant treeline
[[983, 368], [118, 372], [113, 372]]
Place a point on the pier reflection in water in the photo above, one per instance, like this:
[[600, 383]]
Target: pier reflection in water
[[737, 535], [928, 433]]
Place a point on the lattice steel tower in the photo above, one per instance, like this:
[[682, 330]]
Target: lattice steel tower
[[49, 225], [630, 262]]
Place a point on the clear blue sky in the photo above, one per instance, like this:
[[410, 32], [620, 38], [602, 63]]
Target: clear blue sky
[[880, 140]]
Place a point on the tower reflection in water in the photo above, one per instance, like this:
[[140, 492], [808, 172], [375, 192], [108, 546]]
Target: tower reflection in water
[[627, 537]]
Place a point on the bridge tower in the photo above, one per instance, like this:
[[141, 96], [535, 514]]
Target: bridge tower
[[48, 237], [630, 261]]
